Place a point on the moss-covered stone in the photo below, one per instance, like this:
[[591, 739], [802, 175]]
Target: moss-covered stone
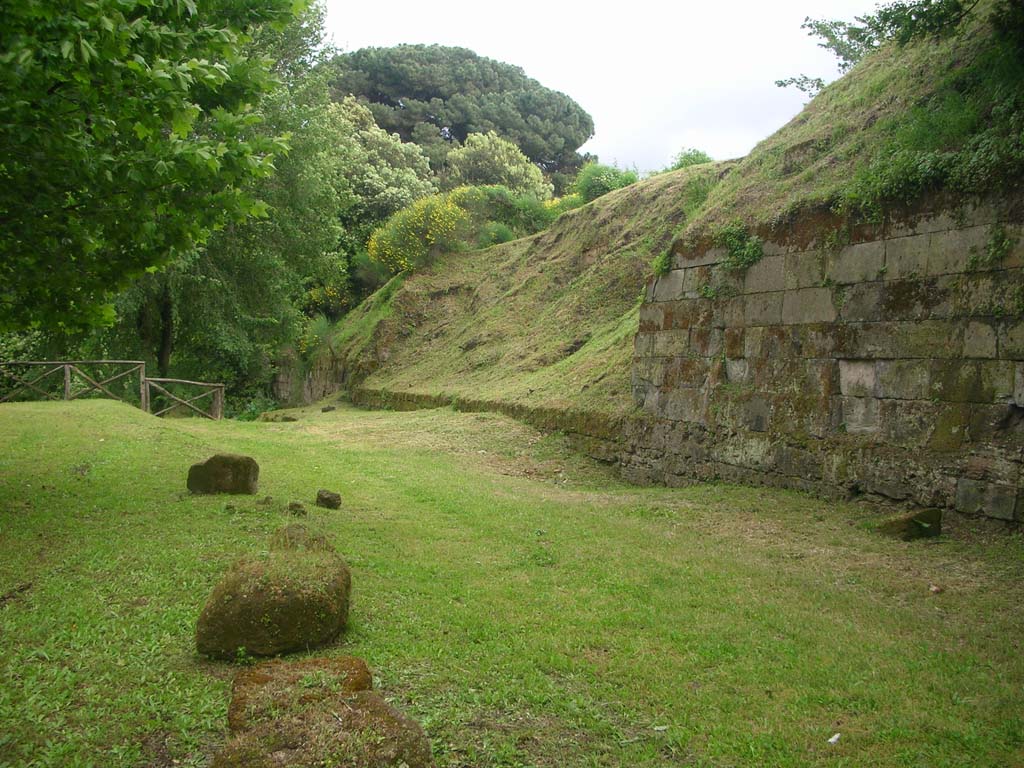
[[923, 524], [277, 602], [359, 730], [265, 692], [224, 473]]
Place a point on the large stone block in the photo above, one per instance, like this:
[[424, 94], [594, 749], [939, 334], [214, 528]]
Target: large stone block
[[978, 497], [860, 415], [860, 303], [804, 270], [671, 343], [980, 340], [857, 378], [917, 299], [972, 381], [763, 309], [860, 263], [904, 379], [906, 257], [683, 258], [669, 287], [808, 305], [766, 275], [950, 252]]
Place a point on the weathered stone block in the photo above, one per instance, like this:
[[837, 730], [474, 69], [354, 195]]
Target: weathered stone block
[[766, 275], [860, 263], [224, 473], [763, 309], [906, 257], [686, 313], [753, 342], [652, 317], [950, 251], [689, 258], [706, 342], [917, 299], [949, 427], [978, 497], [1011, 340], [669, 287], [804, 270], [860, 303], [757, 414], [736, 371], [681, 405], [857, 378], [808, 305], [860, 415], [694, 279], [972, 381], [671, 343], [980, 340], [1018, 385], [733, 312], [921, 223], [904, 379]]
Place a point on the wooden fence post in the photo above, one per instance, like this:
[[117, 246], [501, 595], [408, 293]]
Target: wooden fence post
[[143, 389], [217, 410], [67, 382]]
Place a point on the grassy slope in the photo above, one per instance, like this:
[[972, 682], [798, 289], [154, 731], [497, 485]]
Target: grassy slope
[[502, 324], [547, 320], [520, 602]]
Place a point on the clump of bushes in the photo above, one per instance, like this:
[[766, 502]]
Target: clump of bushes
[[595, 180], [466, 217]]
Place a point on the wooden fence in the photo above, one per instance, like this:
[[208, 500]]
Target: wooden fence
[[66, 380]]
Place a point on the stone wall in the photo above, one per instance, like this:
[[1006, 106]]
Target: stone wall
[[884, 359]]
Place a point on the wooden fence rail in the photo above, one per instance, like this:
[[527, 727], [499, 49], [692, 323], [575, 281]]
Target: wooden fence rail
[[24, 378]]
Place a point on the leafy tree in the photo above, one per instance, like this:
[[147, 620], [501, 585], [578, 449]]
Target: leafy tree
[[126, 138], [595, 180], [687, 157], [901, 21], [225, 310], [486, 158], [436, 96]]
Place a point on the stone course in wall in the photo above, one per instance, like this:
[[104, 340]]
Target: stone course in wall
[[884, 360]]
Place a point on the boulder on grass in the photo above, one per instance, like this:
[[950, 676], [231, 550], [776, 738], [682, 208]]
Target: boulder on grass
[[360, 730], [267, 691], [328, 499], [224, 473], [278, 602], [922, 524]]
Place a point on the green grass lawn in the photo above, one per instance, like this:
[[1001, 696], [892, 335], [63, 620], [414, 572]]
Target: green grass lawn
[[519, 601]]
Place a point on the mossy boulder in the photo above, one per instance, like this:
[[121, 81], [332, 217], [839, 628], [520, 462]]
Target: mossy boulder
[[922, 524], [276, 602], [359, 730], [328, 499], [264, 692], [224, 473]]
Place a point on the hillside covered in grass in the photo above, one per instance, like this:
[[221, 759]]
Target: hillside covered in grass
[[548, 321]]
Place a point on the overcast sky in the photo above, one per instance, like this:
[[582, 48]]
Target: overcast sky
[[655, 76]]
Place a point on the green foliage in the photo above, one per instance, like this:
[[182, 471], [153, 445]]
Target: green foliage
[[662, 263], [900, 21], [1000, 244], [559, 205], [436, 96], [486, 158], [127, 137], [687, 157], [595, 180], [743, 250], [463, 218]]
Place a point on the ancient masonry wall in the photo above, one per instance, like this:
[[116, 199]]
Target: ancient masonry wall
[[884, 360]]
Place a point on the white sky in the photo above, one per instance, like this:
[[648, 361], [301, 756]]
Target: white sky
[[655, 76]]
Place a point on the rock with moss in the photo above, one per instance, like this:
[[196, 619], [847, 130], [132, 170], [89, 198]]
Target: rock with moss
[[264, 692], [328, 499], [224, 473], [356, 730], [922, 524], [277, 602]]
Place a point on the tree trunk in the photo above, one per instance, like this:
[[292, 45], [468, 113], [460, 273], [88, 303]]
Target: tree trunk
[[163, 363]]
